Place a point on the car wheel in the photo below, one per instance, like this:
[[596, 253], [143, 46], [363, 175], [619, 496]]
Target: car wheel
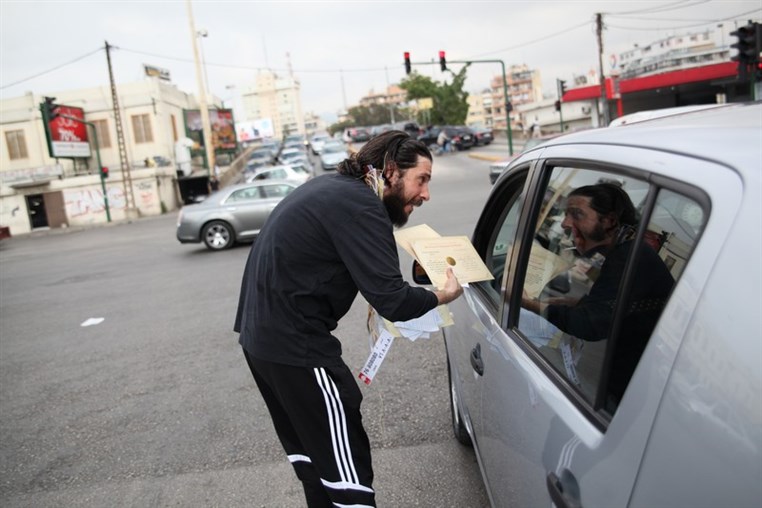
[[458, 428], [218, 235]]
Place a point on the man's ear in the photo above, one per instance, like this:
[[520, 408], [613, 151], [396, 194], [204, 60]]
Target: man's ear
[[390, 172]]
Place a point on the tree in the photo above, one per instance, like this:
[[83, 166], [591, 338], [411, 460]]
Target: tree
[[450, 100]]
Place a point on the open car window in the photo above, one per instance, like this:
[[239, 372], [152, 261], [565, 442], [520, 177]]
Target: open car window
[[606, 252]]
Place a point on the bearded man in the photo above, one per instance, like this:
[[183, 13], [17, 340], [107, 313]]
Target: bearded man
[[329, 238], [603, 223]]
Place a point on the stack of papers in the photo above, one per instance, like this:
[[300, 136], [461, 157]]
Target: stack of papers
[[436, 253]]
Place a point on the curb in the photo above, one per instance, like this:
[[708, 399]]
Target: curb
[[485, 157]]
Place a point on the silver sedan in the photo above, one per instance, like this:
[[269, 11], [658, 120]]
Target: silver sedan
[[233, 214]]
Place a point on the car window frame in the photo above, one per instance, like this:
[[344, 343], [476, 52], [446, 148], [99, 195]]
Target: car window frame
[[540, 172]]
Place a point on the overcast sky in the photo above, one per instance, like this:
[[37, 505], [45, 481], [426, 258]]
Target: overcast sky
[[338, 50]]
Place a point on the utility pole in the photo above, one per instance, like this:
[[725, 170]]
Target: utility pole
[[202, 105], [391, 106], [130, 209], [604, 104]]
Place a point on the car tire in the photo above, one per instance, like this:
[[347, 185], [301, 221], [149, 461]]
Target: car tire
[[458, 427], [218, 235]]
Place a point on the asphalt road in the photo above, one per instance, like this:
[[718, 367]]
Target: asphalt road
[[122, 383]]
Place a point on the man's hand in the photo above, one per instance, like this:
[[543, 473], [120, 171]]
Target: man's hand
[[452, 289]]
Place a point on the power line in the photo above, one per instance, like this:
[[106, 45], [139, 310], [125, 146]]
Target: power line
[[50, 70], [533, 41], [681, 27], [705, 21], [662, 8]]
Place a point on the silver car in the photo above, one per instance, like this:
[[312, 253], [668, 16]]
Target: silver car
[[332, 155], [231, 215], [631, 376]]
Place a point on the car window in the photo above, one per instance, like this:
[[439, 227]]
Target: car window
[[246, 194], [606, 252], [498, 247], [276, 190]]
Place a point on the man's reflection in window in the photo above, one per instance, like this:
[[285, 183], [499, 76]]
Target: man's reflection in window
[[602, 222]]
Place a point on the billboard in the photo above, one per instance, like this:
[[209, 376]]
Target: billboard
[[68, 137], [251, 131], [223, 130]]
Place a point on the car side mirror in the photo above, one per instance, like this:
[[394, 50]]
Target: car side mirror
[[420, 276]]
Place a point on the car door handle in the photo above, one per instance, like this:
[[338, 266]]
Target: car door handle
[[563, 497], [476, 359]]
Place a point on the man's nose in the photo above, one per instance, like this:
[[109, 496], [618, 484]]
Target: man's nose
[[425, 193]]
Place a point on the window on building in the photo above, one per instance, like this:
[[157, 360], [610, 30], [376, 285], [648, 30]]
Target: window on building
[[141, 128], [16, 143], [101, 129]]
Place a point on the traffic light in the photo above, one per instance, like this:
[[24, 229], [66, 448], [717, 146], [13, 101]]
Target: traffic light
[[442, 61], [749, 46], [104, 172], [407, 62], [49, 109], [561, 88], [558, 105]]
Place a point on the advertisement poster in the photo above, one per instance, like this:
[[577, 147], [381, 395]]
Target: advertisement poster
[[254, 130], [223, 129], [68, 137]]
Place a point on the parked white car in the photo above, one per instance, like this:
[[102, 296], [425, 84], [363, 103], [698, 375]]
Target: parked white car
[[297, 173], [629, 373]]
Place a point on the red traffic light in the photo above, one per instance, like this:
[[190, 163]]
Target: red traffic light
[[407, 62], [104, 172], [442, 61]]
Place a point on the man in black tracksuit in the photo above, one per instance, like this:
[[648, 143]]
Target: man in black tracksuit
[[329, 238]]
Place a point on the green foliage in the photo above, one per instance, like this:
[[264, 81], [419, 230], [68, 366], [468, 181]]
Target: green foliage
[[450, 100], [365, 116]]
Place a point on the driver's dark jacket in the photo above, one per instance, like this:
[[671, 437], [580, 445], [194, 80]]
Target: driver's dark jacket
[[325, 241], [590, 319]]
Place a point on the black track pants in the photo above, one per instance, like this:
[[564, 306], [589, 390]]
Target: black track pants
[[316, 414]]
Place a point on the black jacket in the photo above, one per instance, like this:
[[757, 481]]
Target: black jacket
[[325, 241]]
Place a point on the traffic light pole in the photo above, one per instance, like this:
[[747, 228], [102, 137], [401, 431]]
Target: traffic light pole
[[505, 91]]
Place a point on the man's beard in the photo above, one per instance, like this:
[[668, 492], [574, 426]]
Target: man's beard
[[395, 205]]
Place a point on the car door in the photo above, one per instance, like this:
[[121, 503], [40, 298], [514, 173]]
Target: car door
[[252, 206], [558, 417]]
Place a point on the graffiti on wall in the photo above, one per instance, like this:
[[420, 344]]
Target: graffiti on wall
[[80, 202]]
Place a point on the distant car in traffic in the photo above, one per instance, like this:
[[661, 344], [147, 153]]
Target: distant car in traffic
[[356, 135], [317, 141], [285, 172], [461, 137], [496, 168], [233, 214], [332, 155], [482, 136]]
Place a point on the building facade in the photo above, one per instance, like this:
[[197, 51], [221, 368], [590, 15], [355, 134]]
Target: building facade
[[37, 191], [480, 109], [277, 98], [524, 86]]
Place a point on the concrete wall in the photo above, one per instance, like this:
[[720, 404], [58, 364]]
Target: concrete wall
[[153, 189]]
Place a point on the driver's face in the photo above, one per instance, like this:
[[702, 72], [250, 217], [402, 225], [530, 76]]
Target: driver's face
[[588, 227]]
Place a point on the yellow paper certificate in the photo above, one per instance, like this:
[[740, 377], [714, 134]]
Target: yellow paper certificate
[[437, 254], [405, 237]]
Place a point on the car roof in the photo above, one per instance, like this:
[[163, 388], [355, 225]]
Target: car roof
[[729, 135]]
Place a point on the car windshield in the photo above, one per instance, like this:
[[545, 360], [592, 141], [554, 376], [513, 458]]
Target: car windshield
[[333, 148]]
